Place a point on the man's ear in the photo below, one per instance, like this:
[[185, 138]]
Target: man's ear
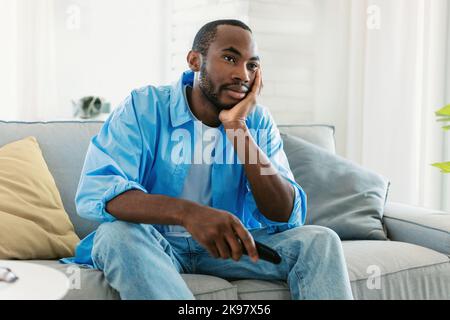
[[194, 60]]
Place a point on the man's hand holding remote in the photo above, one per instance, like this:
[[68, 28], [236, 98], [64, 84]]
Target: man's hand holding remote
[[219, 232], [267, 253]]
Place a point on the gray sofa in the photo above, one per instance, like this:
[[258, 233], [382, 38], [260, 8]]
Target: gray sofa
[[413, 264]]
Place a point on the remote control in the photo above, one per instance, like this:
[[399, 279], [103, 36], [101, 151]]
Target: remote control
[[266, 253], [7, 275]]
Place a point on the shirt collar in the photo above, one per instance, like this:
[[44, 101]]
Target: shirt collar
[[179, 109]]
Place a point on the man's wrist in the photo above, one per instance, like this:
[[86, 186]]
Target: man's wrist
[[234, 125], [186, 207]]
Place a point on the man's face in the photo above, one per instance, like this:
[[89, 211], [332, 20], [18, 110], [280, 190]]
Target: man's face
[[229, 69]]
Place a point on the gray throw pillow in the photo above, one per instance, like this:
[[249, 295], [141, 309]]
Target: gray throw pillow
[[342, 195]]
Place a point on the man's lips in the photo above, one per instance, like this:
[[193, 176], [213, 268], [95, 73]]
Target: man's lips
[[235, 95], [237, 92]]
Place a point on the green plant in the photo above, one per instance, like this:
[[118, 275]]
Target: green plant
[[444, 116]]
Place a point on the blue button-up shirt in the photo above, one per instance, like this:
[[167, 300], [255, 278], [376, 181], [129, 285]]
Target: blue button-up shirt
[[135, 150]]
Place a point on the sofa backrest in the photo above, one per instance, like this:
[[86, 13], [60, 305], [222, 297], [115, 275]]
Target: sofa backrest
[[319, 134], [64, 145]]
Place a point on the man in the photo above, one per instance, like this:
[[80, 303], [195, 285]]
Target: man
[[165, 210]]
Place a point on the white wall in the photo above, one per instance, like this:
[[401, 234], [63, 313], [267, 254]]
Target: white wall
[[331, 67], [285, 32], [187, 17], [116, 48]]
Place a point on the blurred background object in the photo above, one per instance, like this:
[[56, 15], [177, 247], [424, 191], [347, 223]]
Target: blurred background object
[[90, 107]]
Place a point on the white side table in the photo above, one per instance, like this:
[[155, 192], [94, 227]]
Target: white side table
[[35, 282]]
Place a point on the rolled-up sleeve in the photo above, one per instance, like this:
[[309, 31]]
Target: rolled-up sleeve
[[270, 142], [112, 163]]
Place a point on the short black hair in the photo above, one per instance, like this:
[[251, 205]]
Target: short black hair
[[207, 34]]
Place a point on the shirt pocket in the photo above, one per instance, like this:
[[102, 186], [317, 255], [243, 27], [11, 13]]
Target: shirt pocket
[[170, 170]]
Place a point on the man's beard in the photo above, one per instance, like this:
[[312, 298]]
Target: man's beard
[[209, 91]]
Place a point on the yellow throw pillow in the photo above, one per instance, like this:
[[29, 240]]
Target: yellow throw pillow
[[33, 222]]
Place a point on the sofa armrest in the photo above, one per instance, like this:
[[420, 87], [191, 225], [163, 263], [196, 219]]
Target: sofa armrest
[[425, 227]]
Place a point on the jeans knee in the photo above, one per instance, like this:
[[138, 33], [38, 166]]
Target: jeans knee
[[315, 235], [121, 236], [113, 232], [308, 237], [325, 234], [109, 236]]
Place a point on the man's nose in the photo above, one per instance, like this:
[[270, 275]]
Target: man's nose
[[242, 74]]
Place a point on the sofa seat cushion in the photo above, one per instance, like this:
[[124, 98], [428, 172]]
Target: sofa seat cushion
[[262, 290], [90, 284], [396, 270], [377, 269]]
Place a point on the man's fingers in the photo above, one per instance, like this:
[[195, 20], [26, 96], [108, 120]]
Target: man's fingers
[[247, 240], [235, 246], [224, 250], [258, 82], [212, 249], [261, 82]]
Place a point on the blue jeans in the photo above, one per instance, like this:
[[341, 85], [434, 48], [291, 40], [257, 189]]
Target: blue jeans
[[140, 263]]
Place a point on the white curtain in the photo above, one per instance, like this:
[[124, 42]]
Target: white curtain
[[56, 51], [8, 60], [30, 45], [381, 76], [404, 84], [446, 188]]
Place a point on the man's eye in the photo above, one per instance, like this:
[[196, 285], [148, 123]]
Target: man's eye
[[253, 66], [230, 59]]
